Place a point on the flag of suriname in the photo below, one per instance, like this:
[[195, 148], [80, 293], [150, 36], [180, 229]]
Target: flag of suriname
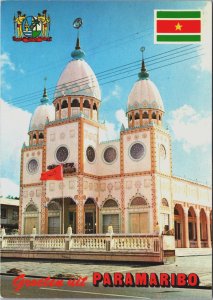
[[177, 26]]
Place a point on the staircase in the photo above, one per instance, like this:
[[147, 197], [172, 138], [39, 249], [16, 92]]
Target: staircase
[[192, 251]]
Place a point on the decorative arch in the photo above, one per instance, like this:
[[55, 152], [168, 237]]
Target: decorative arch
[[138, 200], [34, 136], [154, 116], [53, 205], [137, 116], [164, 202], [95, 106], [64, 104], [31, 218], [75, 103], [41, 136], [110, 203], [145, 115], [31, 207], [86, 104]]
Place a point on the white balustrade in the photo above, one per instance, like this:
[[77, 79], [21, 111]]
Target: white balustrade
[[87, 242], [16, 242], [46, 242]]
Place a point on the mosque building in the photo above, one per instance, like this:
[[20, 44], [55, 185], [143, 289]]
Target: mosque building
[[125, 183]]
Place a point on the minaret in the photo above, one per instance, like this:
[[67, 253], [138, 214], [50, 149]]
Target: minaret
[[44, 99]]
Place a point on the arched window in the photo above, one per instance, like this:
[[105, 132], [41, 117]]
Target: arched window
[[94, 106], [34, 136], [130, 117], [154, 116], [164, 202], [57, 107], [89, 201], [138, 201], [145, 115], [86, 104], [53, 206], [75, 103], [159, 117], [41, 136], [64, 104], [137, 116], [110, 203]]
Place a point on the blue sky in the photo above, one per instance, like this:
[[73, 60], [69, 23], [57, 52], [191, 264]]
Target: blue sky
[[112, 35]]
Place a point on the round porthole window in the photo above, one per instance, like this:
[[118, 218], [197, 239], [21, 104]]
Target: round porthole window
[[32, 166], [90, 153], [62, 154], [110, 155], [137, 151]]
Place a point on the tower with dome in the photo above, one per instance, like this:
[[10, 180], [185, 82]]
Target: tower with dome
[[126, 183]]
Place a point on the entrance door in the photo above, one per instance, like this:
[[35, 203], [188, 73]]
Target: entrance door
[[54, 225], [30, 222], [178, 234], [139, 223], [89, 222]]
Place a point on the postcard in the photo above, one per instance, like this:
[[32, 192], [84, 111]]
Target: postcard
[[106, 149]]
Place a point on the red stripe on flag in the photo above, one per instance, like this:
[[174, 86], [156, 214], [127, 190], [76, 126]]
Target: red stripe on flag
[[187, 26]]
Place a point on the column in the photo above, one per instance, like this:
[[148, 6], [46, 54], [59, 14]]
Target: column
[[141, 119], [186, 228], [69, 106], [81, 104], [133, 119], [91, 109], [208, 229], [198, 228], [59, 115], [150, 116]]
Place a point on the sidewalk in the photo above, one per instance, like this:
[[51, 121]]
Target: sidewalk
[[194, 264]]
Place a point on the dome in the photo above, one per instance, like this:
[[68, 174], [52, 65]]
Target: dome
[[144, 93], [40, 115], [78, 78]]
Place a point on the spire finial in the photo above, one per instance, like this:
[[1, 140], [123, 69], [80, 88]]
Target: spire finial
[[45, 90], [143, 73], [44, 99], [78, 53]]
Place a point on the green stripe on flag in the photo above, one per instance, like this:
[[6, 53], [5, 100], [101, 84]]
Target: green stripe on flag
[[178, 14], [178, 38]]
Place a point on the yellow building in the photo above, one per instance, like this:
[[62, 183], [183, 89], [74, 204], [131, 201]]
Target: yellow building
[[126, 183]]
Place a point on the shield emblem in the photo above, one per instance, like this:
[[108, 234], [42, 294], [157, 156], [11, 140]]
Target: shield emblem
[[31, 27]]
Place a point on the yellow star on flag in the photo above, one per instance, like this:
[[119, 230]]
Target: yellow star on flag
[[178, 26]]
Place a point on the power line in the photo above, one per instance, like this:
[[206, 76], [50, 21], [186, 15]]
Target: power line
[[131, 75], [85, 79]]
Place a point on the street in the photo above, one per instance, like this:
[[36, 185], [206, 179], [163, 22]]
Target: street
[[89, 291]]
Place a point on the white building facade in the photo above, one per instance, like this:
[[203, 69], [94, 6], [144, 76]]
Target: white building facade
[[126, 183]]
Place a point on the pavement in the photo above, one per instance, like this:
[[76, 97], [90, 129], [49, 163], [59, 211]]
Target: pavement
[[201, 265]]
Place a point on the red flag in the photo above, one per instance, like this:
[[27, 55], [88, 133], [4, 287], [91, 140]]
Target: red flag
[[54, 174]]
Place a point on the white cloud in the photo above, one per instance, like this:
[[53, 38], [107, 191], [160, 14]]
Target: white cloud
[[14, 128], [6, 63], [114, 93], [121, 117], [113, 130], [191, 128], [8, 187]]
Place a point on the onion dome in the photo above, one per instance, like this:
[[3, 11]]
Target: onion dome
[[78, 78], [144, 94], [42, 112]]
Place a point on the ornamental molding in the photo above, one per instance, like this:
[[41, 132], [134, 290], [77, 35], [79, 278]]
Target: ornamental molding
[[138, 206], [109, 197]]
